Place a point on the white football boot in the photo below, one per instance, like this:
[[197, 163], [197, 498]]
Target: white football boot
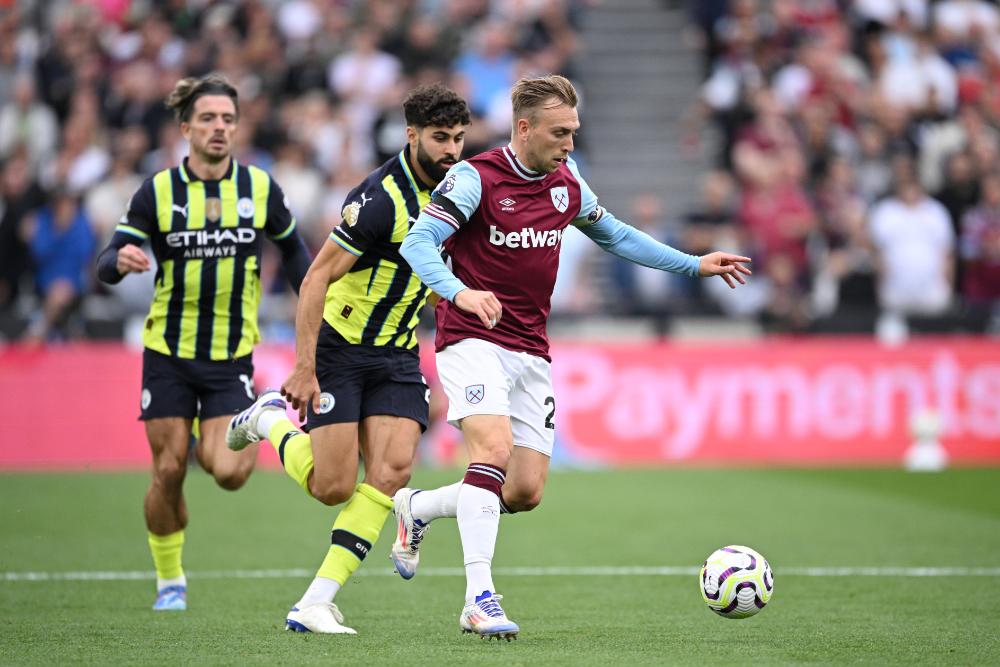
[[486, 618], [242, 429], [323, 618], [410, 532]]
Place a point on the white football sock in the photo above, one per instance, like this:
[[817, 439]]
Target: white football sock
[[320, 590], [267, 419], [173, 581], [435, 503], [478, 523]]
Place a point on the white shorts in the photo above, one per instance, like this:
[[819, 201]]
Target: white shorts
[[481, 378]]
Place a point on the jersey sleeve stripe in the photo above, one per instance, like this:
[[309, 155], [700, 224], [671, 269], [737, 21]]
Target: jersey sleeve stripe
[[438, 212], [344, 244], [132, 231], [288, 232]]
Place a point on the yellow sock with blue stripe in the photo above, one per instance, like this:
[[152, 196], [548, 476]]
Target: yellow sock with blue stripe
[[294, 448], [166, 550], [355, 530]]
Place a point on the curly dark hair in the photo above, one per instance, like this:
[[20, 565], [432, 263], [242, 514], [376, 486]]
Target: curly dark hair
[[181, 100], [435, 105]]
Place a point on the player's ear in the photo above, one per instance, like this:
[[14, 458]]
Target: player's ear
[[412, 134]]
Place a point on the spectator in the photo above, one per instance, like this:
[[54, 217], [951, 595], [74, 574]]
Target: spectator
[[28, 122], [914, 241], [980, 250], [19, 195], [62, 244], [641, 290]]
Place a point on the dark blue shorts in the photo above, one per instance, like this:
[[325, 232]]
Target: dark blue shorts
[[359, 381], [173, 387]]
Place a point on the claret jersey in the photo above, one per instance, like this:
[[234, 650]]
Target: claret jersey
[[510, 222]]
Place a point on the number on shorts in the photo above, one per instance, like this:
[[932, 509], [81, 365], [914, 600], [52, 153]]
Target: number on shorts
[[247, 384], [551, 400]]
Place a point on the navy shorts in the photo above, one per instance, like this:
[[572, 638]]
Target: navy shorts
[[358, 381], [173, 387]]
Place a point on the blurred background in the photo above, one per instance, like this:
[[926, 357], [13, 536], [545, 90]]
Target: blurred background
[[849, 146]]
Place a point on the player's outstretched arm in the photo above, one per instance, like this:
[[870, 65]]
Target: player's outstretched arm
[[330, 265], [730, 267], [636, 246]]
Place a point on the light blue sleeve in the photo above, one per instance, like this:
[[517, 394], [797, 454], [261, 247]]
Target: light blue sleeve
[[588, 200], [420, 250], [629, 243], [463, 187]]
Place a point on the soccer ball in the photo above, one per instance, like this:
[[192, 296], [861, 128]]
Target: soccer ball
[[736, 582]]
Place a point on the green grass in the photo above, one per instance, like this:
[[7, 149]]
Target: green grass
[[798, 518]]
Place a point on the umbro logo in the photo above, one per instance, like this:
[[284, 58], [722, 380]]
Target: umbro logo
[[507, 204]]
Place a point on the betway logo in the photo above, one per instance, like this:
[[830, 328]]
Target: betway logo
[[526, 238]]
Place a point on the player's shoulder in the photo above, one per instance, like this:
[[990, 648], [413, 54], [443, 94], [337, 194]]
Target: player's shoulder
[[462, 174], [256, 174], [369, 199]]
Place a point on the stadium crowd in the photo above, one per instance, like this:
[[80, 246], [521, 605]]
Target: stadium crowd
[[82, 119], [857, 160]]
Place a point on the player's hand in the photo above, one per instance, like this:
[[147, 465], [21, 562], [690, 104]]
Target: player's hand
[[300, 389], [131, 259], [483, 305], [723, 264]]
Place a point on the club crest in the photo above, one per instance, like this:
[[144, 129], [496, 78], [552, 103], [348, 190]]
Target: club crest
[[560, 198], [474, 393], [213, 209]]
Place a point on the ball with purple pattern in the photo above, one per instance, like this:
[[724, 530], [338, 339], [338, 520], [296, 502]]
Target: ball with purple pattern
[[736, 581]]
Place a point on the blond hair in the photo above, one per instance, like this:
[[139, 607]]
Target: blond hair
[[530, 94]]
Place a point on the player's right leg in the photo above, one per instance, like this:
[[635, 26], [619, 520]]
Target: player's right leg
[[168, 407], [489, 441]]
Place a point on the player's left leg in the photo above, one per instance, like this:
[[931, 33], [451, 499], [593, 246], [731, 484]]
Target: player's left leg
[[224, 388], [230, 469]]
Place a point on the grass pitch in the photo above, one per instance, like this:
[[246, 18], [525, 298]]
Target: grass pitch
[[250, 554]]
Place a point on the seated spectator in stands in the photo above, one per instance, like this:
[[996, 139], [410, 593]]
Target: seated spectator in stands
[[843, 296], [488, 68], [640, 290], [19, 195], [61, 242], [26, 121], [914, 242], [979, 248], [713, 224]]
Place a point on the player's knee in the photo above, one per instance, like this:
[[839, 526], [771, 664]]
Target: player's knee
[[523, 500], [389, 476], [169, 472], [231, 480], [493, 453], [332, 492]]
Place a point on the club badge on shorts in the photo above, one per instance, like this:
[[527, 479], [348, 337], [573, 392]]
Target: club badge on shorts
[[326, 402], [474, 393]]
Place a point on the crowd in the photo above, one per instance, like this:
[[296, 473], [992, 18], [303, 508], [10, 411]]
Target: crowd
[[82, 119], [858, 161]]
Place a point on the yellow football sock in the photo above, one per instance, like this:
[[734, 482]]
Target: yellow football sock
[[166, 551], [294, 448], [355, 530]]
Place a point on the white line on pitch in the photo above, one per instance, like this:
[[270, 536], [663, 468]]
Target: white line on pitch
[[133, 575]]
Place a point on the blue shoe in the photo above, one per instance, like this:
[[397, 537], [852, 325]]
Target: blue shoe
[[486, 618], [242, 429], [171, 598]]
